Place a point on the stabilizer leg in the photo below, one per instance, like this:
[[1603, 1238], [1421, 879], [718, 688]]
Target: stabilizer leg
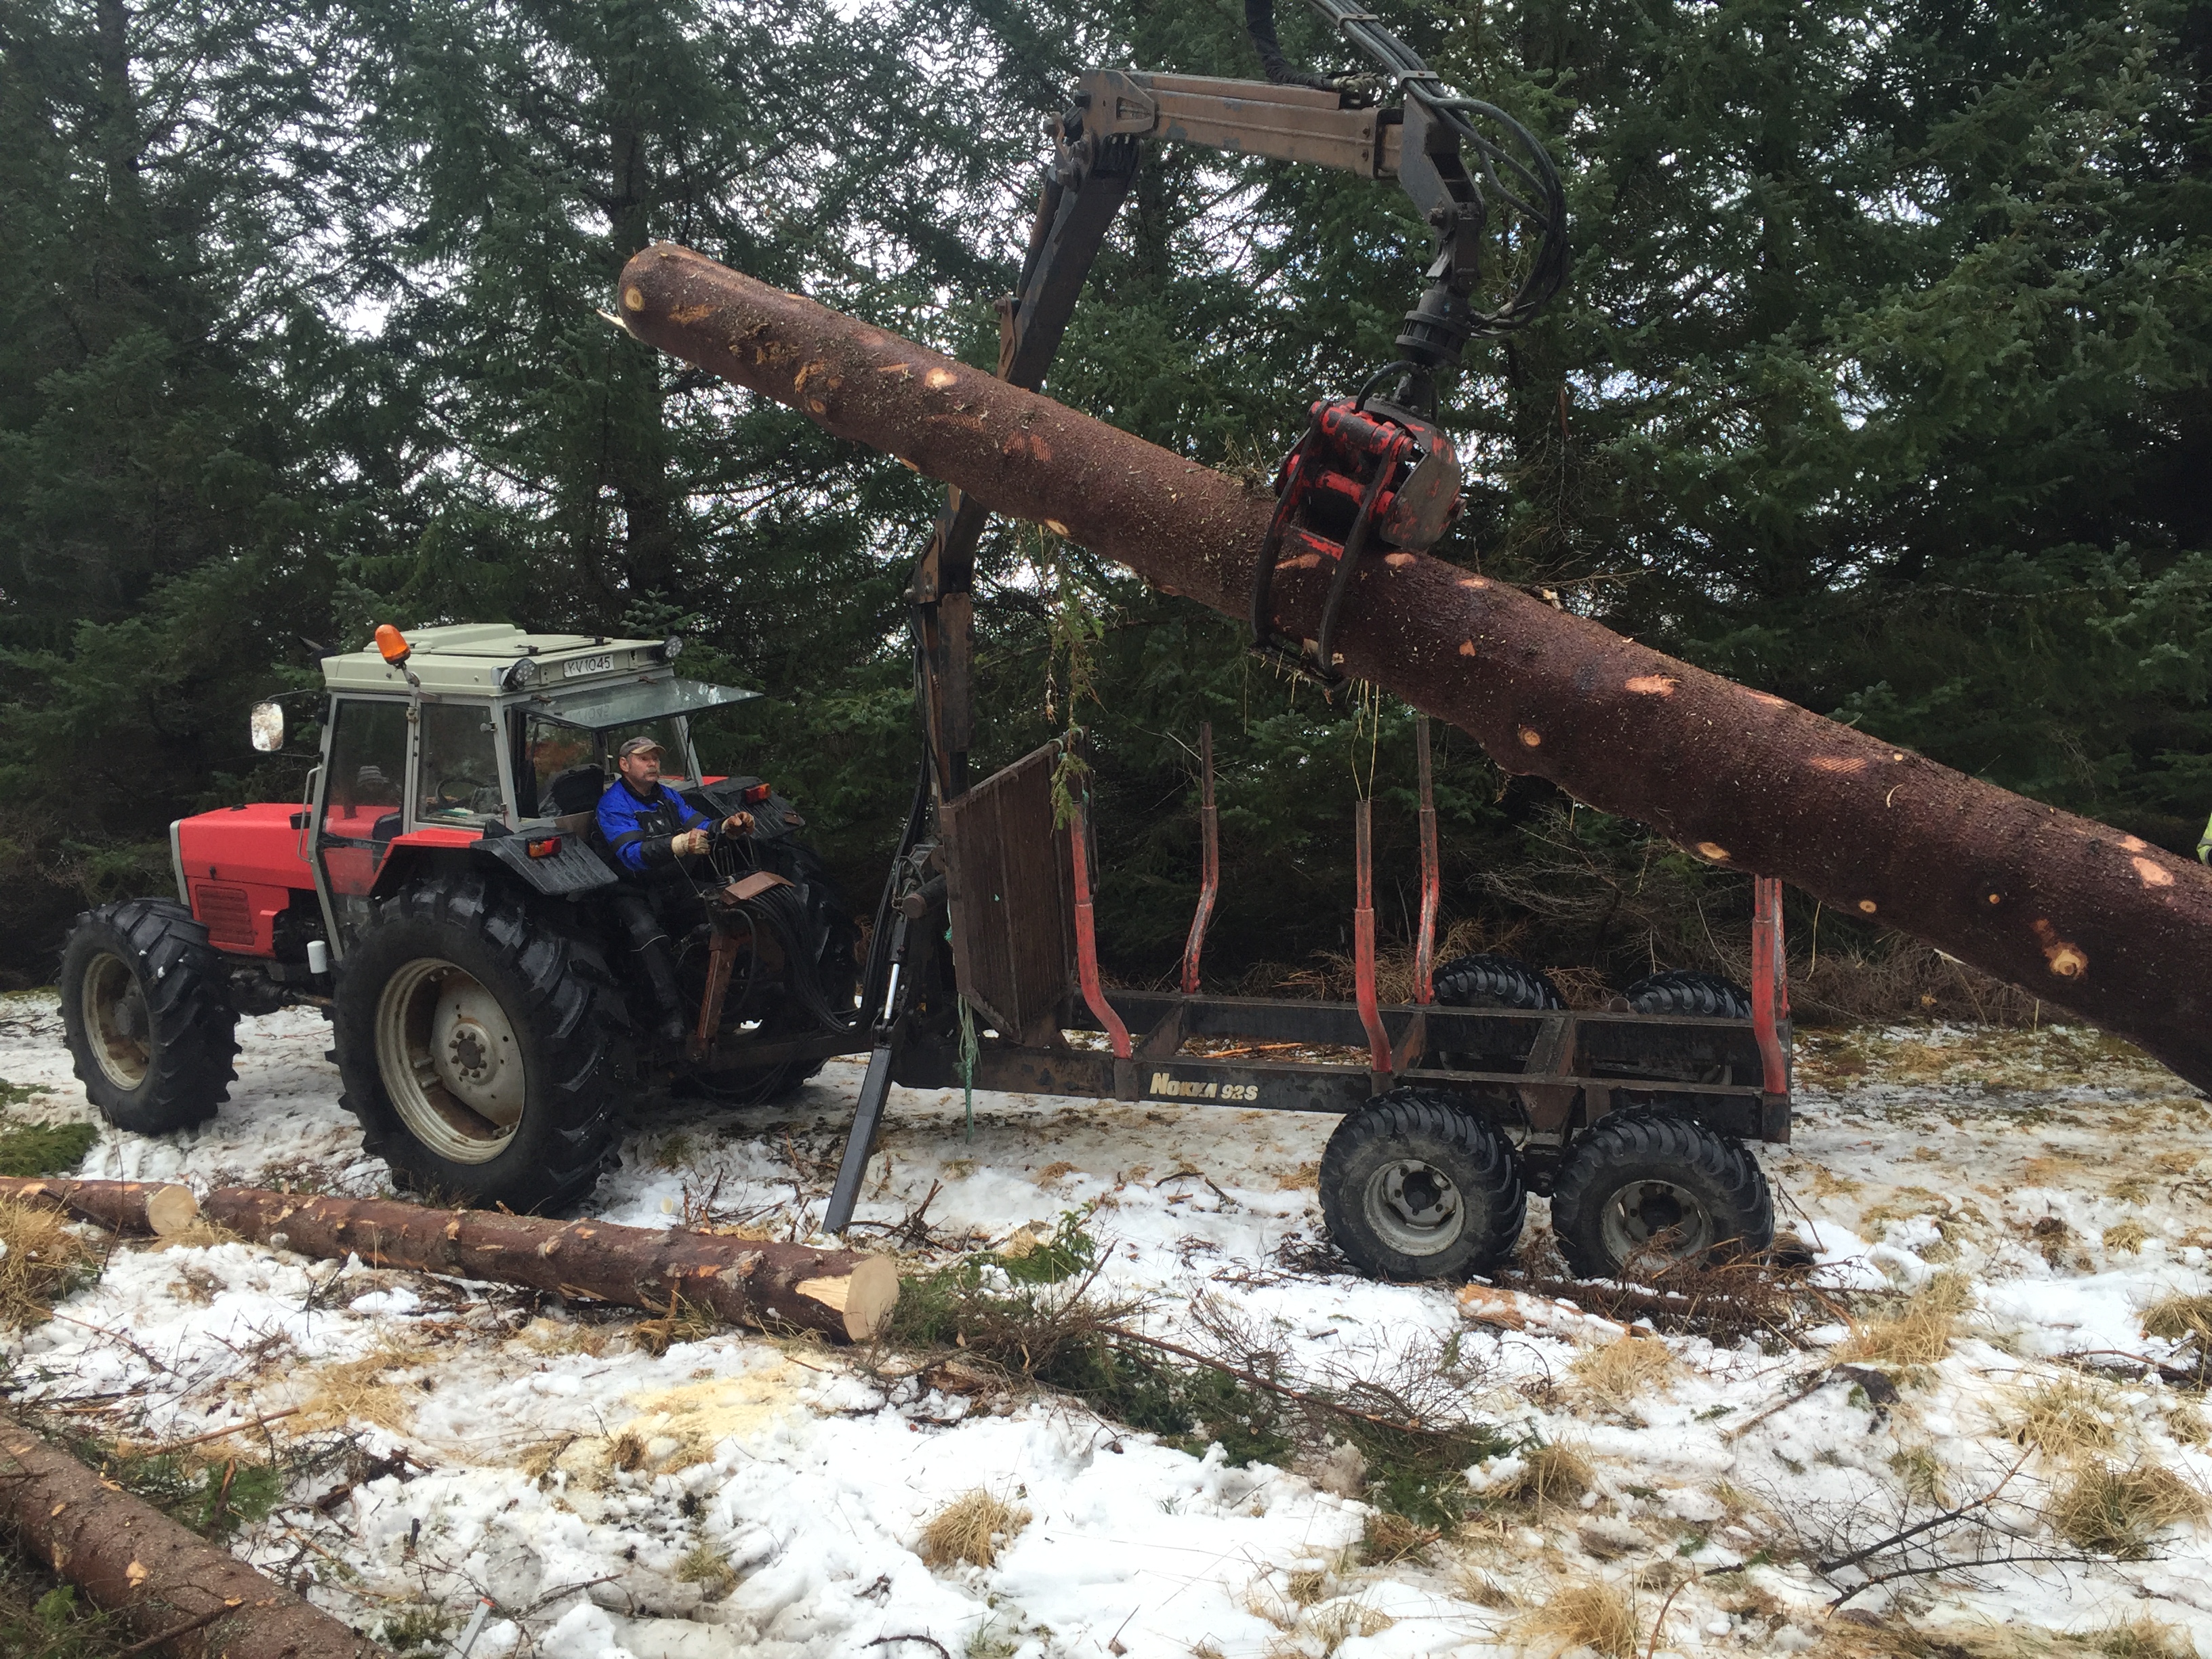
[[868, 1115]]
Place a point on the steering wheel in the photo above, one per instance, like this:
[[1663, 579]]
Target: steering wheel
[[468, 799]]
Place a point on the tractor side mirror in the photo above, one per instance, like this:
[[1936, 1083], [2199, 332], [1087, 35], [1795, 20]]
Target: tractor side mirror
[[267, 724]]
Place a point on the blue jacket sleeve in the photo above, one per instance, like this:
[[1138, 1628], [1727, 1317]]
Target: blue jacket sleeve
[[623, 823]]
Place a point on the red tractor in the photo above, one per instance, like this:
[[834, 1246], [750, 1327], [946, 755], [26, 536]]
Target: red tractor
[[440, 894]]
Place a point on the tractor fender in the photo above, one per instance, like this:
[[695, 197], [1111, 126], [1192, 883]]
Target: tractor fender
[[571, 867]]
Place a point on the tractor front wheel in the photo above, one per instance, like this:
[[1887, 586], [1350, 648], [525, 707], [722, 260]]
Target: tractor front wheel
[[481, 1047], [146, 1012]]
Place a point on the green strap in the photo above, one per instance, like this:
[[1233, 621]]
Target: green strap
[[970, 1049]]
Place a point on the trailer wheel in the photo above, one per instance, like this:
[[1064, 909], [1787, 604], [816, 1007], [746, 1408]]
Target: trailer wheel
[[1685, 991], [1489, 981], [481, 1047], [1644, 1190], [1415, 1186], [146, 1008]]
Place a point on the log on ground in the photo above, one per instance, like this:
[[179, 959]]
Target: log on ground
[[840, 1293], [2071, 910], [165, 1581], [122, 1206]]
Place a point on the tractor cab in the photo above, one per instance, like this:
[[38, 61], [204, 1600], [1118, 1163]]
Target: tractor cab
[[480, 733]]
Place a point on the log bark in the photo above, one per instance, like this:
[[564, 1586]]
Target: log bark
[[841, 1293], [165, 1580], [2096, 921], [122, 1206]]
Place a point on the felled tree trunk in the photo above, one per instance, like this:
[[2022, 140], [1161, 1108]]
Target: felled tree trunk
[[123, 1206], [164, 1580], [2096, 921], [840, 1293]]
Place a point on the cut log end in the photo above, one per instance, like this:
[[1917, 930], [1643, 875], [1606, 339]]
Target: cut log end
[[865, 1295], [171, 1209]]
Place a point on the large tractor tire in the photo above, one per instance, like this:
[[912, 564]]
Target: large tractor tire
[[1644, 1190], [1686, 991], [1415, 1186], [482, 1046], [1489, 981], [146, 1006]]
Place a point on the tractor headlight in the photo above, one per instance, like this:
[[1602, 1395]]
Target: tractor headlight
[[520, 674], [672, 647]]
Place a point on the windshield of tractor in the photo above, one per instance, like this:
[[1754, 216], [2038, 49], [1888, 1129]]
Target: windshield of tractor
[[457, 781], [565, 769]]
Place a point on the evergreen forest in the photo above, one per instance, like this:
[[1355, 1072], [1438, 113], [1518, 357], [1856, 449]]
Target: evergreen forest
[[1881, 381]]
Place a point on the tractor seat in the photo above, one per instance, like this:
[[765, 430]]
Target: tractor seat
[[576, 790]]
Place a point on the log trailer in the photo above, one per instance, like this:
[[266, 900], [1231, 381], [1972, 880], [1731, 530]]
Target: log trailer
[[439, 894]]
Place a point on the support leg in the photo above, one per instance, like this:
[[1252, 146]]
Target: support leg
[[860, 1144]]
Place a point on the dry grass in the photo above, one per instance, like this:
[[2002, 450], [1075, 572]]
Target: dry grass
[[1554, 1474], [2187, 1426], [2118, 1511], [2127, 1236], [358, 1391], [709, 1568], [45, 1261], [1054, 1171], [1389, 1538], [2067, 1421], [1473, 1583], [1919, 1333], [1339, 1621], [2181, 1319], [1617, 1373], [972, 1528], [1590, 1614], [2144, 1639]]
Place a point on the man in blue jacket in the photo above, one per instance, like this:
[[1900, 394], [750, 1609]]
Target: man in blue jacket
[[651, 830]]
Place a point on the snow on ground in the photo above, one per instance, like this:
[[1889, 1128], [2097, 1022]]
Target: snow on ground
[[593, 1490]]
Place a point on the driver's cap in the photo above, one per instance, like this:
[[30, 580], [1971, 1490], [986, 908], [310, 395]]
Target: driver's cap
[[639, 746]]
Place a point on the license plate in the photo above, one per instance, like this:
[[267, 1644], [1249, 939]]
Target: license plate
[[575, 665]]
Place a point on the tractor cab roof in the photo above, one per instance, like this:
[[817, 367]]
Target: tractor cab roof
[[584, 679]]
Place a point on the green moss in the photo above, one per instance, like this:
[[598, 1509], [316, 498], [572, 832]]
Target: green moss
[[42, 1149]]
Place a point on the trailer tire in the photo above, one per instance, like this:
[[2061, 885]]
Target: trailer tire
[[1636, 1177], [1686, 991], [1415, 1186], [1492, 981], [460, 995], [146, 1008]]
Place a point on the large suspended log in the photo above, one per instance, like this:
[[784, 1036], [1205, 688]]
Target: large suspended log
[[2094, 920], [178, 1594], [840, 1293]]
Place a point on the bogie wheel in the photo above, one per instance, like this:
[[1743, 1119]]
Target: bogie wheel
[[1415, 1186], [1643, 1191], [482, 1046], [146, 1008], [1686, 991], [1488, 982]]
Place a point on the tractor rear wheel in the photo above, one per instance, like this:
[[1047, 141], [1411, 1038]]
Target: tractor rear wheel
[[146, 1007], [1644, 1190], [482, 1046], [1415, 1186]]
